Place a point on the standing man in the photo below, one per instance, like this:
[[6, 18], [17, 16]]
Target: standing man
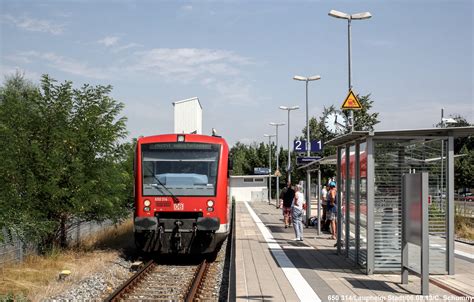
[[287, 194]]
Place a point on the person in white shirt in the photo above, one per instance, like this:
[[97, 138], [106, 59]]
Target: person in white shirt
[[324, 198], [297, 213]]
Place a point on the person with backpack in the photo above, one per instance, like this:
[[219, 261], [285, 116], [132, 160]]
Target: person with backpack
[[287, 195]]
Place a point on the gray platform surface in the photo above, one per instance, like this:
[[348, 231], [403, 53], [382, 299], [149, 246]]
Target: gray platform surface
[[270, 266]]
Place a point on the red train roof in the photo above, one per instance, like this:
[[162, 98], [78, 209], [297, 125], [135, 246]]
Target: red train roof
[[190, 138]]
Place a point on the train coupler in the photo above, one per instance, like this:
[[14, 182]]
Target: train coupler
[[176, 236]]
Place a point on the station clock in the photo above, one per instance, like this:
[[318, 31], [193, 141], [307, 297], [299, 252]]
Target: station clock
[[335, 122]]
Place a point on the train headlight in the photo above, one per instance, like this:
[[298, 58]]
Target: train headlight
[[147, 209], [147, 203], [210, 203], [180, 138], [210, 209]]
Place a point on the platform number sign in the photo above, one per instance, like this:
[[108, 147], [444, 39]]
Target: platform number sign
[[300, 146]]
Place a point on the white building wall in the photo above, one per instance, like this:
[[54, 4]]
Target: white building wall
[[249, 188], [199, 118], [188, 116]]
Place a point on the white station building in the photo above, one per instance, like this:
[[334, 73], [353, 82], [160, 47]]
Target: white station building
[[249, 187], [188, 116]]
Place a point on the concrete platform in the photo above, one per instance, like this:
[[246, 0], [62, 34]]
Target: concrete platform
[[270, 266]]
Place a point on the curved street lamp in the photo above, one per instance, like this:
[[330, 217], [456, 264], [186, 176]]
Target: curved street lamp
[[308, 141], [269, 165], [349, 18], [277, 202], [289, 151]]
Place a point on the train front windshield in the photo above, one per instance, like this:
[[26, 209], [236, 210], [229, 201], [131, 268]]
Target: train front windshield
[[183, 169]]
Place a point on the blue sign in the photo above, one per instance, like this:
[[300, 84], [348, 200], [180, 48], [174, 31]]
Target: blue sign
[[261, 171], [300, 146], [306, 160]]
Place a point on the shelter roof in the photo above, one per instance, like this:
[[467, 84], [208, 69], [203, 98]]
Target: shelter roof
[[403, 134], [328, 160]]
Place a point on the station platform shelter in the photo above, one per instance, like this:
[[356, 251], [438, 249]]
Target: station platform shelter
[[370, 167]]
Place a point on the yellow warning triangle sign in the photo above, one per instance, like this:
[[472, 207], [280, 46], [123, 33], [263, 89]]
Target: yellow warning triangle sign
[[351, 102]]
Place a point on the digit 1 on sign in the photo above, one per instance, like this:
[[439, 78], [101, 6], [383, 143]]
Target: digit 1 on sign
[[316, 146]]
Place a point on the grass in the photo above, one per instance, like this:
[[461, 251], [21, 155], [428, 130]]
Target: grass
[[110, 238], [464, 227], [36, 278], [463, 222]]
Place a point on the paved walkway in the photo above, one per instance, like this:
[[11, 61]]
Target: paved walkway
[[271, 266]]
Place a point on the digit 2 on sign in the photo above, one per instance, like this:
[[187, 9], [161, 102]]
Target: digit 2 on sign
[[297, 145], [178, 206]]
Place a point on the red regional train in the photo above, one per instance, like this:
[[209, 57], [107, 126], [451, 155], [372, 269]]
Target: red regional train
[[181, 198]]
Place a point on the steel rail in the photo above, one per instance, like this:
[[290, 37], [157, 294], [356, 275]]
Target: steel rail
[[117, 294], [198, 278]]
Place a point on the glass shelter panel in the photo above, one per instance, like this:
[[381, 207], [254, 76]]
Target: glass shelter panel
[[389, 168], [392, 160], [352, 204], [430, 156], [343, 192], [363, 205]]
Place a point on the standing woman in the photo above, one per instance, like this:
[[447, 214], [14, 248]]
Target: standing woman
[[332, 208], [297, 213]]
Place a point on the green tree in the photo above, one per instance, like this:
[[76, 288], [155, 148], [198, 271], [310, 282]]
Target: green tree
[[364, 120], [62, 157], [463, 165], [238, 154], [18, 114]]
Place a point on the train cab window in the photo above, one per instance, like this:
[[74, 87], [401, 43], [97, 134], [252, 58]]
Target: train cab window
[[183, 169]]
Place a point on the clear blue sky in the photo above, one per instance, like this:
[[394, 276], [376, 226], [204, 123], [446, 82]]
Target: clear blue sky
[[239, 57]]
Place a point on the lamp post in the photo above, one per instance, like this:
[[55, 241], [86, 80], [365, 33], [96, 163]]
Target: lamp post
[[277, 204], [308, 141], [269, 165], [289, 151], [349, 18]]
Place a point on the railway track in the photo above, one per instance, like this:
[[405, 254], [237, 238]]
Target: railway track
[[163, 283], [207, 281]]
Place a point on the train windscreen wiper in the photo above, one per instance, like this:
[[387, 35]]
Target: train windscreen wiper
[[175, 199]]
